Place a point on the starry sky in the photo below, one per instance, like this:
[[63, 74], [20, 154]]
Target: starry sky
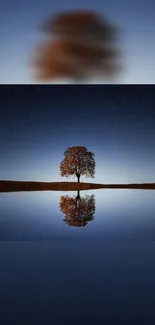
[[20, 33], [38, 123]]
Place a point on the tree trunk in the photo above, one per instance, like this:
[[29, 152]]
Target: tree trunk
[[78, 177], [78, 196]]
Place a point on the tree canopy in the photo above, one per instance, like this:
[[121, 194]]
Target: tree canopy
[[81, 44], [78, 211], [78, 161]]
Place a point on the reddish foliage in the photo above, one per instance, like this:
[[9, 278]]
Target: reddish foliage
[[78, 161], [78, 211], [81, 45]]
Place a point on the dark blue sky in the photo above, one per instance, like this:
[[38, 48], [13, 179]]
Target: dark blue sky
[[38, 123], [20, 33]]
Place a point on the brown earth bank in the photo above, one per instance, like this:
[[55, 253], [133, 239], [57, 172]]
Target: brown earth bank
[[19, 186]]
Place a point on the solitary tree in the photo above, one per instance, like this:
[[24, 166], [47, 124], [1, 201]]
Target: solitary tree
[[81, 45], [78, 161]]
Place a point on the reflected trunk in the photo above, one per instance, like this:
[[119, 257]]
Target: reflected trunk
[[78, 196]]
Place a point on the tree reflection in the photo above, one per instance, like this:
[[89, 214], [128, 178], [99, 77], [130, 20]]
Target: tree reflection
[[78, 211]]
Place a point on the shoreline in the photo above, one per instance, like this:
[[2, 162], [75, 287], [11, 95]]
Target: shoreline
[[20, 186]]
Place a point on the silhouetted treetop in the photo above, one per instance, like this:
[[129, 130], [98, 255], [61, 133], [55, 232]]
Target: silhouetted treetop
[[78, 161], [81, 44], [81, 24]]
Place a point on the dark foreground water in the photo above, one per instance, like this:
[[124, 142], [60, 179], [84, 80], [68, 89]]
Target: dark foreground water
[[90, 260]]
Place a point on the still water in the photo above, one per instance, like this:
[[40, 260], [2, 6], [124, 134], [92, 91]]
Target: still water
[[70, 258]]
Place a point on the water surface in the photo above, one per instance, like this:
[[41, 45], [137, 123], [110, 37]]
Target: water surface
[[96, 266]]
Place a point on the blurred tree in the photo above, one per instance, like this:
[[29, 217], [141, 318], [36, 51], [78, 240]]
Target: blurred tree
[[78, 161], [78, 211], [81, 45]]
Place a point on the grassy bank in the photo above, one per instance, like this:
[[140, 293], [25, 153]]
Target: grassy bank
[[19, 186]]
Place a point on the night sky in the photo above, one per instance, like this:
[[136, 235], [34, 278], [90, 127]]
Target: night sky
[[38, 123], [21, 32]]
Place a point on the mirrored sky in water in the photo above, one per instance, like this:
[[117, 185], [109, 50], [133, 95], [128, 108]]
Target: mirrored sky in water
[[117, 213], [70, 273]]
